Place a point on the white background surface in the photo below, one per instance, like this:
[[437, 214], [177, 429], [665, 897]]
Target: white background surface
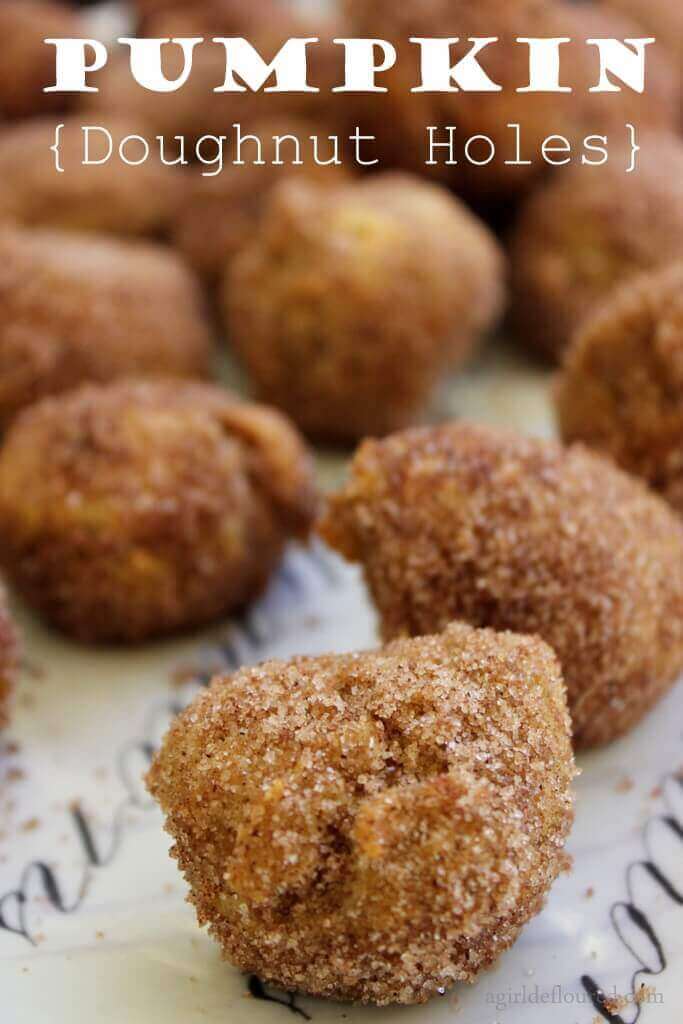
[[132, 951]]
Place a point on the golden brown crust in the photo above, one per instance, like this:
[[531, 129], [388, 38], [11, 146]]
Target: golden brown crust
[[196, 109], [587, 231], [350, 302], [219, 213], [466, 522], [190, 112], [8, 658], [28, 64], [229, 17], [621, 387], [145, 8], [373, 826], [659, 18], [400, 118], [110, 198], [146, 507], [77, 308]]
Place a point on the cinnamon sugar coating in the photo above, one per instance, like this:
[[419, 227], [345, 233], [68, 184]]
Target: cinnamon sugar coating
[[350, 302], [658, 18], [196, 109], [8, 658], [110, 198], [373, 826], [400, 117], [621, 387], [219, 213], [28, 64], [144, 507], [231, 17], [79, 308], [465, 522], [587, 231], [145, 8]]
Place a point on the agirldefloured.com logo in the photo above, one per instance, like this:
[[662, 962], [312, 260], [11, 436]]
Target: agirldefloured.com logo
[[537, 995]]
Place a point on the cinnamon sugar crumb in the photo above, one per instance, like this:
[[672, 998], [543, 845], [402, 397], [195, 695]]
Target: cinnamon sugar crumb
[[644, 993], [615, 1004]]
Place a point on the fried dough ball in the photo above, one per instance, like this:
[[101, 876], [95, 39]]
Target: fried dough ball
[[400, 117], [77, 308], [141, 508], [196, 109], [225, 16], [111, 198], [621, 388], [466, 522], [28, 64], [145, 8], [373, 826], [219, 212], [267, 25], [190, 112], [659, 18], [586, 232], [8, 658], [349, 303]]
